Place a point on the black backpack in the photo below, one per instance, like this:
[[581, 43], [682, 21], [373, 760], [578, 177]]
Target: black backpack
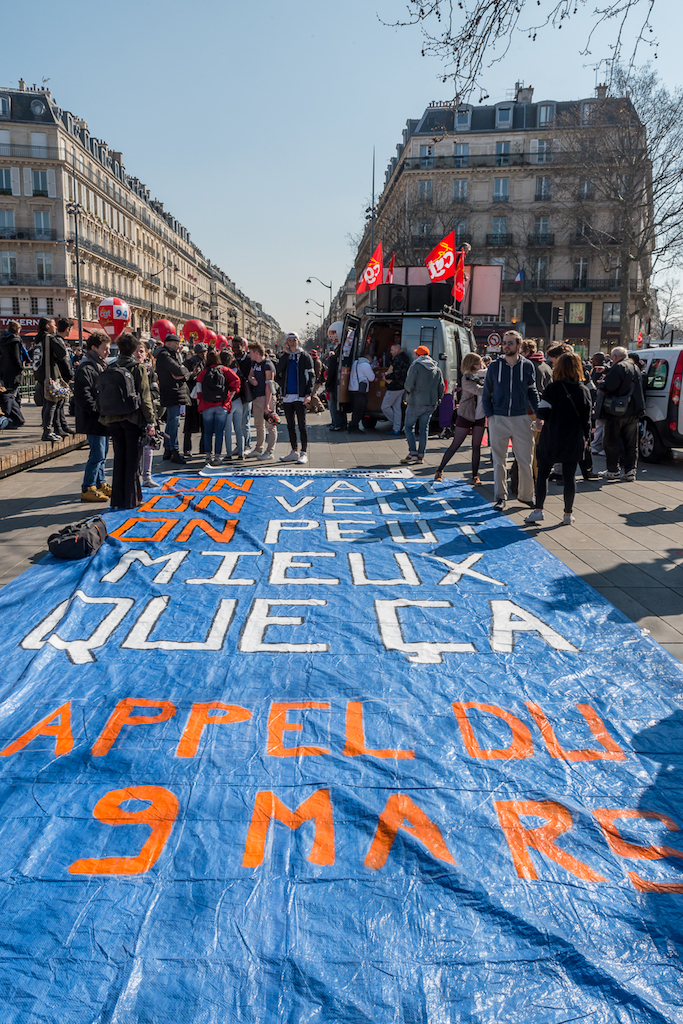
[[116, 392], [80, 540], [214, 386]]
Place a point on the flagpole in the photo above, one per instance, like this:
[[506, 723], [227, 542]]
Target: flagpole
[[372, 219]]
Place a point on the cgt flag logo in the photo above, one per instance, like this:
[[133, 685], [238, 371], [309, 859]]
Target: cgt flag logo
[[373, 273], [441, 260]]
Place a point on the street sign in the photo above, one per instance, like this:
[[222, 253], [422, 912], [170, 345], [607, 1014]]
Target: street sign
[[493, 341]]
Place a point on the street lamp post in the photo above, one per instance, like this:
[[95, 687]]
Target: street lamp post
[[312, 278], [321, 304], [75, 208]]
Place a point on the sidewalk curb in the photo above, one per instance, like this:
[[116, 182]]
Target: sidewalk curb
[[26, 458]]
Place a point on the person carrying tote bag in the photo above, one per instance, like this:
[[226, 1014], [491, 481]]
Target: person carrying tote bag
[[52, 370]]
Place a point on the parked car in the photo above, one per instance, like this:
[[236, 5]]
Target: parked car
[[661, 427]]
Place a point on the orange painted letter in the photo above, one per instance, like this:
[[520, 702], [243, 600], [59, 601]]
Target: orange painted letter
[[121, 715], [200, 717], [611, 751], [620, 846], [278, 724], [64, 740], [160, 815], [559, 820], [355, 736], [232, 506], [200, 524], [159, 534], [521, 746], [400, 808], [267, 806], [151, 503]]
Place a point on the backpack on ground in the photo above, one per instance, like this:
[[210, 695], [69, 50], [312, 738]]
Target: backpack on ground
[[80, 540], [116, 392], [214, 386]]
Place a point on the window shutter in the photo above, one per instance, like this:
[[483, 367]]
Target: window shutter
[[51, 183], [28, 181], [16, 182]]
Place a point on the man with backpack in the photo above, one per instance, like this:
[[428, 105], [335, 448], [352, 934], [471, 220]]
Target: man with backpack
[[620, 404], [94, 362], [173, 392]]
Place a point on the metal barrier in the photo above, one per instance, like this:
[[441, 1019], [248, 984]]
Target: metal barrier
[[28, 382]]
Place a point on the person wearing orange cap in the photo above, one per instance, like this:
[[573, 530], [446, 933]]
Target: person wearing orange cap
[[424, 390]]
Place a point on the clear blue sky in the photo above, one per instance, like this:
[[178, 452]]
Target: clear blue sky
[[254, 122]]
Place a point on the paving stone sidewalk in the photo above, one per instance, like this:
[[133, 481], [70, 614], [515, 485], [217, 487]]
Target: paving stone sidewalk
[[627, 541]]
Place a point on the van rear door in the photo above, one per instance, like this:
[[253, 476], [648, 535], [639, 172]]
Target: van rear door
[[350, 342]]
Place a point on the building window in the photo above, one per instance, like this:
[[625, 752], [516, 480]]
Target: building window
[[539, 270], [577, 313], [460, 190], [503, 117], [6, 223], [462, 154], [546, 115], [615, 272], [4, 106], [500, 190], [49, 306], [424, 228], [424, 191], [5, 181], [588, 112], [460, 229], [41, 223], [500, 225], [581, 272], [611, 312], [426, 156], [543, 189], [44, 266], [544, 155], [34, 306], [583, 229], [9, 307], [541, 229], [8, 267], [586, 189], [463, 117], [502, 154], [40, 183]]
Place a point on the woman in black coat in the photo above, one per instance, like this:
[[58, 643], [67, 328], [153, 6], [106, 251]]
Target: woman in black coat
[[50, 361], [565, 415]]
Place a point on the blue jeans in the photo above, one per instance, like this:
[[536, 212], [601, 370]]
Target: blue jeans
[[93, 473], [420, 415], [234, 419], [172, 423], [246, 423], [214, 425]]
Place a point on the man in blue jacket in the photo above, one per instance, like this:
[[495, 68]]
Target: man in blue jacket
[[509, 393]]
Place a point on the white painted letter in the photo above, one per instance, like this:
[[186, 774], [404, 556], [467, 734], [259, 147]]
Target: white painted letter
[[138, 638], [460, 569], [504, 626], [408, 575], [165, 575], [335, 533], [223, 575], [253, 634], [284, 560], [421, 652], [275, 526]]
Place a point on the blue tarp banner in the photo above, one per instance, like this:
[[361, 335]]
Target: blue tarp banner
[[345, 749]]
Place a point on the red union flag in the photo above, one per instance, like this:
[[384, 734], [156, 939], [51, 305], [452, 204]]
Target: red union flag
[[441, 260], [459, 280], [372, 275]]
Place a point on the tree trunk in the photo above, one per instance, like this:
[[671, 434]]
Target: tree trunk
[[625, 297]]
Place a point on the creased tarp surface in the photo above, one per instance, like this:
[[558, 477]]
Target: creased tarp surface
[[434, 880]]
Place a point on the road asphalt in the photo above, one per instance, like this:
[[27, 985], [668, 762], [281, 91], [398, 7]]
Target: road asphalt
[[627, 541]]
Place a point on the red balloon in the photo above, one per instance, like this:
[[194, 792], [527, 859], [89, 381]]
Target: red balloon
[[194, 331], [221, 341], [161, 329], [210, 338], [113, 314]]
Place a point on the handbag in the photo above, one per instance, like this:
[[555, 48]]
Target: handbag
[[617, 405], [56, 389], [80, 540]]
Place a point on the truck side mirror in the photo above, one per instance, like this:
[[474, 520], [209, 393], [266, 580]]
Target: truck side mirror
[[443, 356]]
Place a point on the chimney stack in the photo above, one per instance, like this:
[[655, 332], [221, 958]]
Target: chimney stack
[[601, 91]]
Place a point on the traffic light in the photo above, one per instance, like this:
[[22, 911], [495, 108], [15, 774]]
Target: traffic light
[[558, 315]]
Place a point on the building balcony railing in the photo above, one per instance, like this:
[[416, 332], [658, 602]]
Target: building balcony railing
[[472, 160], [30, 152], [541, 240], [98, 250], [571, 285], [171, 289], [499, 240], [542, 197], [152, 279], [32, 280], [23, 234], [500, 197]]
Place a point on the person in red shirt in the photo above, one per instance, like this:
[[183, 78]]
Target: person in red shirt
[[216, 385]]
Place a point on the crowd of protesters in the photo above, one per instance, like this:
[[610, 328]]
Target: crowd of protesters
[[556, 410]]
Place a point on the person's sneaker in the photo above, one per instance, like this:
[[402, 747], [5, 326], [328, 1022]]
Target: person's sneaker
[[419, 458], [148, 482], [292, 457], [361, 428], [591, 476], [253, 453], [166, 456], [303, 459], [410, 458], [500, 505], [47, 436], [630, 477], [92, 494], [535, 517], [393, 433], [178, 459], [568, 519], [529, 504], [266, 457], [104, 489], [606, 475]]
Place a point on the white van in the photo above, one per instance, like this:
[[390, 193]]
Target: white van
[[661, 427]]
